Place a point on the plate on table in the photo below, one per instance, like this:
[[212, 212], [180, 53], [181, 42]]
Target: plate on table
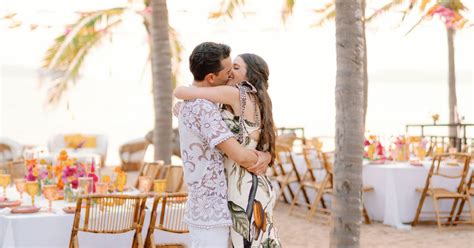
[[69, 210], [25, 210], [416, 163], [377, 162], [9, 204], [2, 199]]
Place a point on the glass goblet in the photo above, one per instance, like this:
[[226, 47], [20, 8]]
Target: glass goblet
[[32, 189], [85, 184], [5, 180], [121, 181], [51, 193], [159, 186], [20, 186], [101, 188]]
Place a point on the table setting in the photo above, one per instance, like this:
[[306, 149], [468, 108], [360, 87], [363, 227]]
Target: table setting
[[38, 210]]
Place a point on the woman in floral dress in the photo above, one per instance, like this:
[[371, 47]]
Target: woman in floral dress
[[248, 113]]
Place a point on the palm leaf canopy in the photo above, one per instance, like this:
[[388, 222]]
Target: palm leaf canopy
[[65, 56]]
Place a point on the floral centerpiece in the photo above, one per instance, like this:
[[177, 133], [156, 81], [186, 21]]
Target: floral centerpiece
[[401, 151], [374, 150], [68, 170]]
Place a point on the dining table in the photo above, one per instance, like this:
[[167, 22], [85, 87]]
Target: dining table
[[395, 198], [46, 229]]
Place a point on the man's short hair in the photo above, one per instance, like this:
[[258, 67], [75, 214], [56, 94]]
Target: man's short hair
[[206, 58]]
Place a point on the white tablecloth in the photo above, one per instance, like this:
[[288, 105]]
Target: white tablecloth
[[394, 200], [54, 229]]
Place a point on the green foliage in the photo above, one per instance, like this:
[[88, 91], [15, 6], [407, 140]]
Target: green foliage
[[239, 219]]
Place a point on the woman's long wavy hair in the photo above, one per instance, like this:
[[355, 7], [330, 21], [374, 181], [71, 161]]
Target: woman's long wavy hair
[[257, 74]]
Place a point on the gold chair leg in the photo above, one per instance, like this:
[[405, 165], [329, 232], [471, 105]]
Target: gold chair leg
[[451, 217], [461, 207], [418, 210], [282, 193], [139, 239], [73, 240], [314, 206], [76, 242], [366, 215], [293, 202], [471, 210], [438, 220]]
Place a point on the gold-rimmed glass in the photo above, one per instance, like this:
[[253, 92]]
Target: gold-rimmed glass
[[20, 184], [51, 193], [121, 181], [85, 184], [32, 189], [144, 184], [159, 186], [101, 188], [5, 180]]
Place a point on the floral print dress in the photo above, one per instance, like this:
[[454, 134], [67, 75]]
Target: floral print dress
[[251, 198]]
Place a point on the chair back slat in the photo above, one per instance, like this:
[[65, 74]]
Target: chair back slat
[[150, 169], [109, 213], [286, 152], [167, 215], [311, 156], [437, 169], [172, 213]]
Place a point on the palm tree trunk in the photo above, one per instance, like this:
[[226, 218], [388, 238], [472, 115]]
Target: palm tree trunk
[[453, 102], [365, 75], [162, 82], [346, 208]]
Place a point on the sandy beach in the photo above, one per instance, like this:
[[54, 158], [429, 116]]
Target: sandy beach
[[296, 232]]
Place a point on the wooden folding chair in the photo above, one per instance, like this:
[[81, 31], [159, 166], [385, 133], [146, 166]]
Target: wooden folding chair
[[110, 214], [152, 170], [128, 155], [326, 187], [311, 156], [441, 193], [286, 176], [169, 217]]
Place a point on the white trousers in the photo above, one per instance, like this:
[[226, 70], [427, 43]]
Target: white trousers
[[209, 238]]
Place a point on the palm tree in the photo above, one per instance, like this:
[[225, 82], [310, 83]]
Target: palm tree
[[346, 209], [451, 12], [161, 74], [66, 55]]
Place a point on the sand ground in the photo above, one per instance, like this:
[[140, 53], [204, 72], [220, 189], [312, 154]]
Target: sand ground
[[296, 231]]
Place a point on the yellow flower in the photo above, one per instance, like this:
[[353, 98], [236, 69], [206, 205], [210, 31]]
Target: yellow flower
[[35, 171], [106, 179]]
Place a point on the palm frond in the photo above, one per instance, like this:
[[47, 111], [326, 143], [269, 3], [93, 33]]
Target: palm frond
[[416, 24], [387, 7], [423, 4], [326, 7], [329, 15], [227, 9], [64, 58], [287, 11]]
